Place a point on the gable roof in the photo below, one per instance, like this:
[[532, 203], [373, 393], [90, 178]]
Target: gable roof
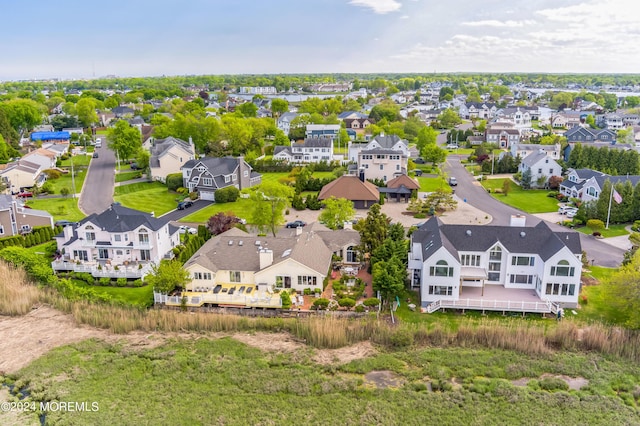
[[282, 149], [215, 165], [535, 157], [123, 219], [351, 188], [540, 240], [162, 146], [388, 141], [405, 180], [314, 143]]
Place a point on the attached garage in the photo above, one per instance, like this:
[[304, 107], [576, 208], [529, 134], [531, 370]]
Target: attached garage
[[207, 195]]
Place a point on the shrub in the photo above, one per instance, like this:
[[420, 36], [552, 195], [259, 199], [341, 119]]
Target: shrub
[[48, 188], [105, 281], [553, 384], [65, 191], [317, 291], [182, 190], [597, 234], [137, 283], [636, 226], [121, 282], [321, 303], [553, 194], [193, 195], [372, 301], [347, 303], [174, 181], [420, 215], [307, 292], [227, 195], [401, 338], [52, 174], [286, 300], [359, 309]]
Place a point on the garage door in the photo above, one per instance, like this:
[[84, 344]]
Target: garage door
[[207, 195]]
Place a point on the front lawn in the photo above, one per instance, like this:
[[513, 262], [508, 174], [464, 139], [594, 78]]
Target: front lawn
[[613, 231], [240, 208], [529, 201], [80, 167], [460, 151], [60, 208], [430, 184], [125, 176], [147, 197]]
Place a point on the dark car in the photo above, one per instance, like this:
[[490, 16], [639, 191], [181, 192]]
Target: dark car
[[453, 181], [95, 155], [296, 224], [64, 223], [134, 166], [419, 160], [184, 204]]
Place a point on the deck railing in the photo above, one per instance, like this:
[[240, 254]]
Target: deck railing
[[122, 271], [494, 305], [258, 300]]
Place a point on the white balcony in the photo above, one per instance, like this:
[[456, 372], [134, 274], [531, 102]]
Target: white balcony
[[99, 270]]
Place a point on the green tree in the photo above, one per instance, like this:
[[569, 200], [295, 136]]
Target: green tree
[[269, 202], [433, 154], [124, 139], [142, 159], [248, 109], [373, 229], [622, 293], [168, 275], [449, 118], [506, 187], [23, 114], [86, 110], [426, 136], [279, 106], [387, 109], [336, 212], [526, 179], [388, 278]]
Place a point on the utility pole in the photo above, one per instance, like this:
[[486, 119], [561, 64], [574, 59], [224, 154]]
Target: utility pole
[[73, 180]]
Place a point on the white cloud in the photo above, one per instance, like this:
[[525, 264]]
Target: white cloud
[[499, 24], [404, 17], [379, 6]]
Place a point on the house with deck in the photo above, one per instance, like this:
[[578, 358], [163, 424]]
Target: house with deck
[[117, 243], [495, 268]]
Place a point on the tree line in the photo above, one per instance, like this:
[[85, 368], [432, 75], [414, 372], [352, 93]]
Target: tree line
[[608, 160]]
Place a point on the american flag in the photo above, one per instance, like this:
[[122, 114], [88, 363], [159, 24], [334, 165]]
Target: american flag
[[617, 197]]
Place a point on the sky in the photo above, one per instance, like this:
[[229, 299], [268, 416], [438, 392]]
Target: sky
[[42, 39]]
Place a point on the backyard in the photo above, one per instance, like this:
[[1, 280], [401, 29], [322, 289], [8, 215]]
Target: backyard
[[529, 201], [147, 197], [60, 208], [430, 184], [240, 208], [136, 296], [613, 231]]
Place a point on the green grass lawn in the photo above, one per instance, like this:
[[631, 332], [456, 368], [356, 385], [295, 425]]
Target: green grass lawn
[[460, 151], [596, 307], [78, 161], [146, 197], [128, 175], [137, 296], [276, 176], [613, 231], [60, 208], [529, 201], [430, 184], [80, 167], [240, 208]]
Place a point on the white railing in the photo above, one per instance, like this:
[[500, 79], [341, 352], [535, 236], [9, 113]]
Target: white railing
[[111, 272], [259, 300], [494, 305]]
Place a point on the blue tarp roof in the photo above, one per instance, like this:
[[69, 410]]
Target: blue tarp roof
[[49, 136]]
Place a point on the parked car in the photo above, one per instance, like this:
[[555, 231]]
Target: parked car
[[572, 213], [296, 224], [452, 146], [98, 142], [419, 160], [566, 208], [184, 204], [64, 223], [418, 172], [95, 155], [25, 194], [453, 181], [134, 166], [187, 230]]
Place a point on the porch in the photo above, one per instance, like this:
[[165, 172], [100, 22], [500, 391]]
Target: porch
[[244, 296], [101, 269], [496, 298]]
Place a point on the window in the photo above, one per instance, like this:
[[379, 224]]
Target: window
[[441, 269], [202, 275], [234, 276], [470, 260], [592, 191], [103, 253], [246, 173], [145, 254], [207, 181], [397, 166], [539, 170], [1, 230], [234, 177], [283, 281], [563, 269], [143, 236], [441, 290], [118, 252], [90, 236], [521, 279], [117, 237], [495, 253], [522, 260], [227, 179], [201, 169], [81, 255], [381, 166], [307, 280], [352, 254]]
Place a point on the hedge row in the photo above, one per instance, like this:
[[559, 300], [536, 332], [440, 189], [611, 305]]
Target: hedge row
[[37, 236]]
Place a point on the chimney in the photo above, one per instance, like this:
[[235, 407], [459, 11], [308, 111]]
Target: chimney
[[266, 258], [361, 175], [68, 232], [518, 220]]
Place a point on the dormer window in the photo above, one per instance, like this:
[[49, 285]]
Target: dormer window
[[227, 179]]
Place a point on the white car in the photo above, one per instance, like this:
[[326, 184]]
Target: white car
[[187, 230], [571, 213], [452, 146], [564, 209]]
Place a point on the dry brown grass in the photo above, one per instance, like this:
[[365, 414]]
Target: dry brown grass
[[17, 295]]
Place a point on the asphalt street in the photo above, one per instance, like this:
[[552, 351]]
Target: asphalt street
[[469, 189], [97, 194]]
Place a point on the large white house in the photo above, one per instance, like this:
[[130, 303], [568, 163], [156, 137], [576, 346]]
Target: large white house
[[541, 166], [311, 150], [501, 268], [391, 142], [119, 242]]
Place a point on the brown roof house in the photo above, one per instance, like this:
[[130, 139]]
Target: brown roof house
[[363, 194], [400, 187]]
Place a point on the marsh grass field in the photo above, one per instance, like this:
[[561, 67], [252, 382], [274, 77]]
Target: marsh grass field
[[183, 368]]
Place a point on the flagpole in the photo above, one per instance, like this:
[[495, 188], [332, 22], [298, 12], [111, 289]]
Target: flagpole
[[609, 211]]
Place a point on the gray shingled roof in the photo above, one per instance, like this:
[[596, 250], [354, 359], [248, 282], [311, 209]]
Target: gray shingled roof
[[281, 148], [215, 165], [314, 143], [388, 141], [161, 146], [122, 219], [540, 240], [533, 158]]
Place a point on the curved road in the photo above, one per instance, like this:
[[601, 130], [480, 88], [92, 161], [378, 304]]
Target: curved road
[[470, 189], [97, 194]]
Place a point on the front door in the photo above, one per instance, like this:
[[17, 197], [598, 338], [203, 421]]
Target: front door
[[145, 255], [103, 253]]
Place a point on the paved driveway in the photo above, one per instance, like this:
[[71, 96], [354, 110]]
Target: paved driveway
[[469, 189], [175, 215], [97, 193]]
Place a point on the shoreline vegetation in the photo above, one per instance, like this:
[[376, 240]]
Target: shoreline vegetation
[[18, 296]]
